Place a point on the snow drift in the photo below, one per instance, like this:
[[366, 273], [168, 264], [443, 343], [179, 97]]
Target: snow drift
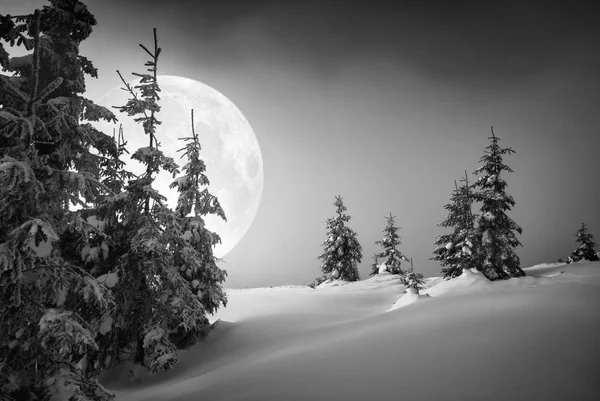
[[531, 338]]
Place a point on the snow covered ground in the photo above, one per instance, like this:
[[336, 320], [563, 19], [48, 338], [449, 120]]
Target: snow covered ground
[[532, 338]]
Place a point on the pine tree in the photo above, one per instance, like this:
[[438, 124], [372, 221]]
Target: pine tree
[[391, 255], [456, 251], [413, 281], [204, 278], [587, 246], [161, 268], [375, 265], [51, 309], [342, 252], [497, 230]]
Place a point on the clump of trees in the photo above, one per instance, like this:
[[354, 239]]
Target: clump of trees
[[485, 241], [123, 277], [587, 246], [342, 253]]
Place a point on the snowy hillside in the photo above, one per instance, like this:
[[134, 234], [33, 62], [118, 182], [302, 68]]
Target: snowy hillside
[[532, 338]]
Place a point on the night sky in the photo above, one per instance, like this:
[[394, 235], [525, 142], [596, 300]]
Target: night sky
[[385, 103]]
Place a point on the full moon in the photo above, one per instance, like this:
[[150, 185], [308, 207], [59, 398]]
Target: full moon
[[230, 149]]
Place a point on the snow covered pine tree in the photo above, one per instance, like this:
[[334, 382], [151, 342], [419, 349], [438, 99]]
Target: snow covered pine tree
[[50, 308], [457, 251], [195, 259], [391, 256], [413, 281], [497, 230], [161, 268], [587, 246], [342, 252]]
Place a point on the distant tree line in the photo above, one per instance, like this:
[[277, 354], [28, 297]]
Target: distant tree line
[[342, 252], [485, 241]]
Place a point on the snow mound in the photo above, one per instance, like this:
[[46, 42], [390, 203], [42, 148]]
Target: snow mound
[[469, 279], [332, 283], [410, 298], [544, 269], [298, 344], [543, 265]]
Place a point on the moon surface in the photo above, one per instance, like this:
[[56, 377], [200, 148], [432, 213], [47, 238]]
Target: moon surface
[[230, 150]]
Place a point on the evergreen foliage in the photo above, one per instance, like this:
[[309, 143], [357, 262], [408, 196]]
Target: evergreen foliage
[[413, 281], [456, 251], [51, 309], [165, 275], [587, 246], [390, 254], [196, 260], [342, 252], [122, 277], [498, 259], [375, 265]]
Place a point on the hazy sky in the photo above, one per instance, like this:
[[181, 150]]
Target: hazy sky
[[385, 103]]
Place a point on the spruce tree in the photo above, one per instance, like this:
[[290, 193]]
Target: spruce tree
[[587, 246], [205, 278], [392, 257], [342, 252], [161, 268], [375, 265], [413, 281], [51, 309], [498, 231], [456, 251]]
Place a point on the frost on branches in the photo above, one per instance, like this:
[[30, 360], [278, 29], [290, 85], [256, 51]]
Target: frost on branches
[[342, 252], [160, 263], [392, 257], [587, 246], [498, 231], [51, 309], [413, 281], [457, 250], [196, 261]]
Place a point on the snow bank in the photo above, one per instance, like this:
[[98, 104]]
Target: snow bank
[[469, 280], [544, 268], [332, 283], [520, 339], [410, 298]]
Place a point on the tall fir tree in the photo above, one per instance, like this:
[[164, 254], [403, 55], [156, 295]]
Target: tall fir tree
[[342, 252], [391, 255], [161, 268], [587, 247], [498, 232], [457, 250], [205, 278], [51, 309]]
